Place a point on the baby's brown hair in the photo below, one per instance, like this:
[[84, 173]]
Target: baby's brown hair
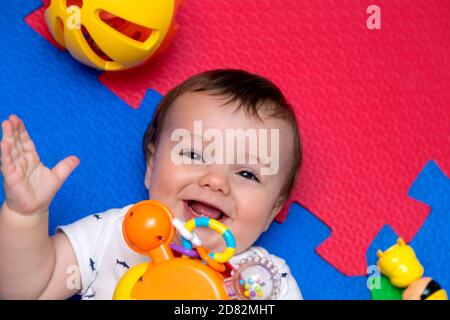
[[254, 94]]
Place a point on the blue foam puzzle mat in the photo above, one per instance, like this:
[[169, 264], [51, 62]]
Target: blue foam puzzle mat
[[296, 241], [432, 242], [68, 111]]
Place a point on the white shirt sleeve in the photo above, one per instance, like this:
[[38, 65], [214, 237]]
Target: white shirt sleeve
[[86, 237]]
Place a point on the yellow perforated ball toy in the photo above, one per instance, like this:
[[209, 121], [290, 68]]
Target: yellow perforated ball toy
[[112, 35]]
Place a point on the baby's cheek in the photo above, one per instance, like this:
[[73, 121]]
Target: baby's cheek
[[254, 213], [157, 191], [162, 181], [251, 223], [246, 232]]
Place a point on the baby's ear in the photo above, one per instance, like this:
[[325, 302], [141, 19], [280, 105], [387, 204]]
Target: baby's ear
[[276, 209], [150, 161]]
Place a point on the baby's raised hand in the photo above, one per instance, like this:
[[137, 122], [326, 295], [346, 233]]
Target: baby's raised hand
[[29, 185]]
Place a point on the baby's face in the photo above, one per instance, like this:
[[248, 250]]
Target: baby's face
[[236, 194]]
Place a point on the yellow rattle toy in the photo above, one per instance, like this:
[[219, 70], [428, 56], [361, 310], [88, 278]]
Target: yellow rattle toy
[[112, 35]]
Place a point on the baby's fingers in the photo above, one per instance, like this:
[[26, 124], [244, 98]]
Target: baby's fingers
[[8, 136], [27, 143], [16, 122], [7, 130], [7, 164]]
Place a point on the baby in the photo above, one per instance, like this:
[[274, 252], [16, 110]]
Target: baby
[[191, 169]]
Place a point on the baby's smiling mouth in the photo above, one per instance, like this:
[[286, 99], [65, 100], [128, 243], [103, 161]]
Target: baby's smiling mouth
[[194, 209]]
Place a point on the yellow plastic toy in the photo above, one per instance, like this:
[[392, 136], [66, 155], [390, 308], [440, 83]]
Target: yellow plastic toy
[[399, 263], [148, 230], [112, 35]]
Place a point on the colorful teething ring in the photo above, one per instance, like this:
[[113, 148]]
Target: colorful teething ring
[[230, 242]]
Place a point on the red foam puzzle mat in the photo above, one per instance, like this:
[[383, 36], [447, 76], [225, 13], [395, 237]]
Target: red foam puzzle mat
[[373, 105]]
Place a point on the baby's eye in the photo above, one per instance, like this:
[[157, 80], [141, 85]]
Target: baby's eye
[[248, 175], [192, 154]]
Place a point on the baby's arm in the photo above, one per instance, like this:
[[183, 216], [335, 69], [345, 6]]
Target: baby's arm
[[33, 265]]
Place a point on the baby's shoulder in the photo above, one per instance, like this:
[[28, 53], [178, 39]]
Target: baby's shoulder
[[97, 225], [109, 217], [113, 214]]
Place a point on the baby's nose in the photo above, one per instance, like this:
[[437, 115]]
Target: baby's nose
[[215, 180]]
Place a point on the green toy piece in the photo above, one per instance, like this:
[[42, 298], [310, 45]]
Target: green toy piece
[[386, 291]]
